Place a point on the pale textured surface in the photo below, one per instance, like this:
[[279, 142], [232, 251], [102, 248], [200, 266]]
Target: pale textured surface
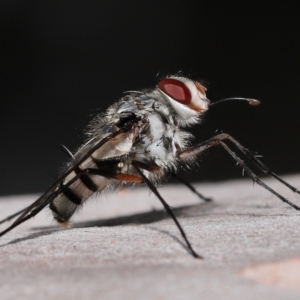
[[125, 247]]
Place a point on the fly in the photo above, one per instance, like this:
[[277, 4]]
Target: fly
[[140, 139]]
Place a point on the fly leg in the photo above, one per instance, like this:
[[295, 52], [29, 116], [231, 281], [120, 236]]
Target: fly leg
[[156, 169], [260, 165], [138, 166], [220, 140], [189, 186]]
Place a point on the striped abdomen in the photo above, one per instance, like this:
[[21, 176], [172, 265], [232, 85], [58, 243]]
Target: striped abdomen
[[66, 203], [92, 175]]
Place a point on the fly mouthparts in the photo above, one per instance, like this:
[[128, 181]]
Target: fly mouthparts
[[252, 102]]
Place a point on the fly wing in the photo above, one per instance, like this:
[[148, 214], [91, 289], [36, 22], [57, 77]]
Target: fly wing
[[115, 142]]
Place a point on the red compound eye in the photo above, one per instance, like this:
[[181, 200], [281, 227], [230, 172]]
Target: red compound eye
[[176, 89]]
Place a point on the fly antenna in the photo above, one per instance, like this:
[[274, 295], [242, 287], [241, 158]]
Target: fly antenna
[[252, 102]]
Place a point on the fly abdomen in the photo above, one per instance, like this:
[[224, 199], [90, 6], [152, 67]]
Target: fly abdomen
[[73, 195], [92, 175], [62, 209]]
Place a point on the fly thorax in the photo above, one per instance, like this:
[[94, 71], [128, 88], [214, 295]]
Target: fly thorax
[[119, 145]]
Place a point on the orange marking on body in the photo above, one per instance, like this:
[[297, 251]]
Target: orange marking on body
[[155, 169], [128, 177]]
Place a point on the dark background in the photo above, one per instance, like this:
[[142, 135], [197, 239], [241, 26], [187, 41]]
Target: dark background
[[61, 61]]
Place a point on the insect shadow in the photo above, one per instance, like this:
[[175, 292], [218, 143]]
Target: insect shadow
[[138, 218], [30, 237]]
